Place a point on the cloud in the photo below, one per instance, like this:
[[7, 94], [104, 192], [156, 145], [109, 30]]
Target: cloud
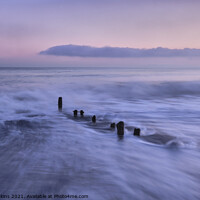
[[117, 52]]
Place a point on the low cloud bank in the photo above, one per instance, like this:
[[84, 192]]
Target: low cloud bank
[[117, 52]]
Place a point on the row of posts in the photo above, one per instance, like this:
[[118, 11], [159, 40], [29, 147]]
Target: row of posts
[[119, 125]]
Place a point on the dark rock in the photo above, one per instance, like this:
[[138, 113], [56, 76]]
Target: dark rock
[[158, 138]]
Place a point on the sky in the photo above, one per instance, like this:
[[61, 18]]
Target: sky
[[28, 27]]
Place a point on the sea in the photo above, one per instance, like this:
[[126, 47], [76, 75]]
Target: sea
[[47, 153]]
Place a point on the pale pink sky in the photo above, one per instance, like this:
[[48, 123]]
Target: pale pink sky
[[28, 27]]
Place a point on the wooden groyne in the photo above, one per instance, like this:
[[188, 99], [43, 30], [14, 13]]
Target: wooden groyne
[[105, 126], [99, 124]]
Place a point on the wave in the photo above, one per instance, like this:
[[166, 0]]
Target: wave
[[111, 102], [145, 90]]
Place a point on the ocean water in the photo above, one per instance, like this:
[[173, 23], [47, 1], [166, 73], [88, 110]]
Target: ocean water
[[46, 151]]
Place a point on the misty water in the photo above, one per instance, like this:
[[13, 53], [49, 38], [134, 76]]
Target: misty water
[[45, 151]]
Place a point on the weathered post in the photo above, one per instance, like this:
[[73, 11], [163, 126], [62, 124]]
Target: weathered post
[[75, 113], [136, 132], [112, 125], [93, 118], [82, 113], [120, 128], [59, 103]]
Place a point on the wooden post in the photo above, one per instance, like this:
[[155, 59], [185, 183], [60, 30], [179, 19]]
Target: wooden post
[[93, 118], [136, 132], [75, 113], [60, 103], [82, 113], [120, 128], [112, 125]]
